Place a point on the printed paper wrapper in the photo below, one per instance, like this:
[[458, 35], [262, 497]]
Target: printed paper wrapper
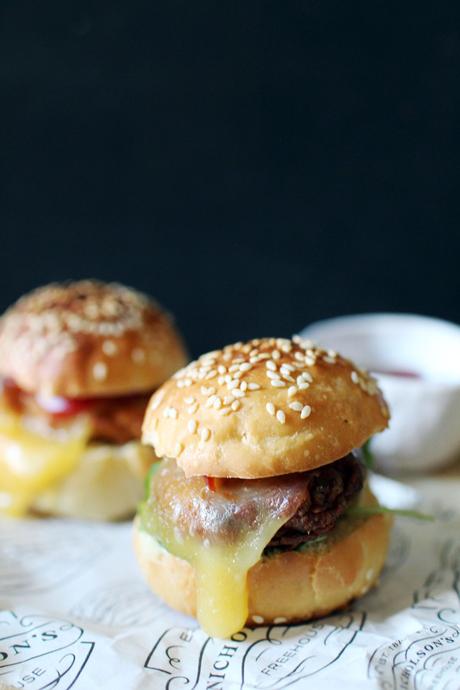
[[75, 613]]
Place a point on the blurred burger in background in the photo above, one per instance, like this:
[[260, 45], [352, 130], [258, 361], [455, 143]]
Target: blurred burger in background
[[79, 362]]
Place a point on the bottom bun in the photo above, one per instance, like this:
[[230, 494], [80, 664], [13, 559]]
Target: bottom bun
[[286, 587], [107, 484]]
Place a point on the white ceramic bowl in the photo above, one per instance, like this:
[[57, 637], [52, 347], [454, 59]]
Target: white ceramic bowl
[[424, 429]]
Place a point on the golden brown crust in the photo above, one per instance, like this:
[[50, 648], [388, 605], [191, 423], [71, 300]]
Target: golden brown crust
[[263, 408], [287, 587], [86, 339]]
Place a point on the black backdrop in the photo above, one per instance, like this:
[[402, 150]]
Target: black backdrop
[[255, 165]]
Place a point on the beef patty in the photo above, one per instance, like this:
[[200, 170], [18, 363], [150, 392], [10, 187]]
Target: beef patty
[[225, 510], [331, 490]]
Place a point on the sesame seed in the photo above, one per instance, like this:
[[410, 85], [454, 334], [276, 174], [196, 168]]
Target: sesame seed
[[299, 356], [221, 369], [243, 385], [287, 366], [245, 366], [287, 377], [310, 361], [172, 412], [225, 410], [306, 412], [281, 417], [277, 384], [217, 404], [205, 434], [109, 347], [258, 619], [100, 371], [212, 354], [233, 368], [354, 377], [270, 364], [329, 360], [292, 390], [157, 398], [178, 448], [193, 408], [279, 619], [270, 408], [273, 374], [307, 376], [276, 354], [238, 393], [303, 385], [211, 374], [210, 401], [253, 386], [208, 390], [296, 406], [233, 384], [228, 399], [189, 400], [236, 405], [191, 426]]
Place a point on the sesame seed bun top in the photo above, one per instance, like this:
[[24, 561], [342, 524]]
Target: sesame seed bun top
[[88, 338], [263, 408]]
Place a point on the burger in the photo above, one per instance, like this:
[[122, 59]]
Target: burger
[[259, 511], [78, 364]]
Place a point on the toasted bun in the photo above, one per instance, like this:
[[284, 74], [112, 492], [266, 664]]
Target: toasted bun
[[107, 484], [88, 339], [264, 408], [287, 587]]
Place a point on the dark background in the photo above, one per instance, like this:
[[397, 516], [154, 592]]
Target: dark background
[[255, 165]]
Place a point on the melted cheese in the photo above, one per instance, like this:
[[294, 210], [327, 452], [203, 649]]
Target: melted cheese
[[221, 575], [222, 596], [31, 461], [221, 535]]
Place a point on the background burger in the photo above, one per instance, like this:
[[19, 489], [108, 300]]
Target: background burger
[[78, 363], [248, 519]]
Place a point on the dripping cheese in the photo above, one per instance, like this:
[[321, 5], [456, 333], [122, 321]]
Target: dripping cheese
[[221, 533], [31, 462]]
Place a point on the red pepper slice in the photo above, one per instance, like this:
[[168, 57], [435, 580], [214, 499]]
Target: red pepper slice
[[214, 483]]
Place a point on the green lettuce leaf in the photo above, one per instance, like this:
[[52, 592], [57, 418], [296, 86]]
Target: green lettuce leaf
[[367, 511], [368, 456]]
